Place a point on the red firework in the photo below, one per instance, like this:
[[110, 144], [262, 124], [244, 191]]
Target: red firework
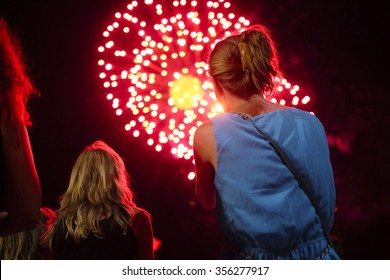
[[153, 69]]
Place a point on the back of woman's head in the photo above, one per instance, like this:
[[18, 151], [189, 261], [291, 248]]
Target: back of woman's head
[[245, 64], [98, 188], [98, 176], [15, 84]]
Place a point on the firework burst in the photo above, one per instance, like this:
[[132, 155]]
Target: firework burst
[[153, 69]]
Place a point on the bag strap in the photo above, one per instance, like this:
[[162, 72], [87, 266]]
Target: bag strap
[[302, 183]]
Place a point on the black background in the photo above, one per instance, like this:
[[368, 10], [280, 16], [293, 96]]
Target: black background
[[335, 50]]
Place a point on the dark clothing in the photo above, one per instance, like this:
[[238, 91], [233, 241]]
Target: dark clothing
[[113, 246]]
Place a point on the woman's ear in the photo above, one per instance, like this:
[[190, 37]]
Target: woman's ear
[[218, 89], [220, 94]]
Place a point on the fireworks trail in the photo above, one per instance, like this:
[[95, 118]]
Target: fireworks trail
[[152, 67]]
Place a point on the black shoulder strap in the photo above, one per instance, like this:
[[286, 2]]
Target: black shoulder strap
[[302, 183]]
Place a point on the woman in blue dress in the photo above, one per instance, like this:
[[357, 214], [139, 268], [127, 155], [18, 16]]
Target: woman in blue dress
[[261, 210]]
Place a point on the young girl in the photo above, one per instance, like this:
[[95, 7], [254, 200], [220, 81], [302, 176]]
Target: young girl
[[97, 218]]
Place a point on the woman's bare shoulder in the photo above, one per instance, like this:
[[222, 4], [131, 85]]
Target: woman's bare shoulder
[[204, 131], [141, 221], [141, 214]]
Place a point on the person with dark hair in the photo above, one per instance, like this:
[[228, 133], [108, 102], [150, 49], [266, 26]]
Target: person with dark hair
[[98, 218], [262, 211], [19, 183]]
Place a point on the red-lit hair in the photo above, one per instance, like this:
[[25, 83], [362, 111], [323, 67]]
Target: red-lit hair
[[15, 84]]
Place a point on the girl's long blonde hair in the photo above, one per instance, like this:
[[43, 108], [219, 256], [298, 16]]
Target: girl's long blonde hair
[[98, 189]]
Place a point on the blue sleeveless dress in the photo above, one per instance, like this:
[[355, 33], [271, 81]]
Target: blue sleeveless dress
[[261, 210]]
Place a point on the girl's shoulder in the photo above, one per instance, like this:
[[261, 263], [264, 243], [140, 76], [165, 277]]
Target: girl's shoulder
[[141, 220], [140, 212]]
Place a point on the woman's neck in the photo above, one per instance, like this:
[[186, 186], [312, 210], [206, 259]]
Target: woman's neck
[[254, 105]]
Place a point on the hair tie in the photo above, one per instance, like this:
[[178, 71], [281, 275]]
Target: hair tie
[[243, 47]]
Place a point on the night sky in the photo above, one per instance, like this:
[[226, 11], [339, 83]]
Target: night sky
[[336, 51]]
